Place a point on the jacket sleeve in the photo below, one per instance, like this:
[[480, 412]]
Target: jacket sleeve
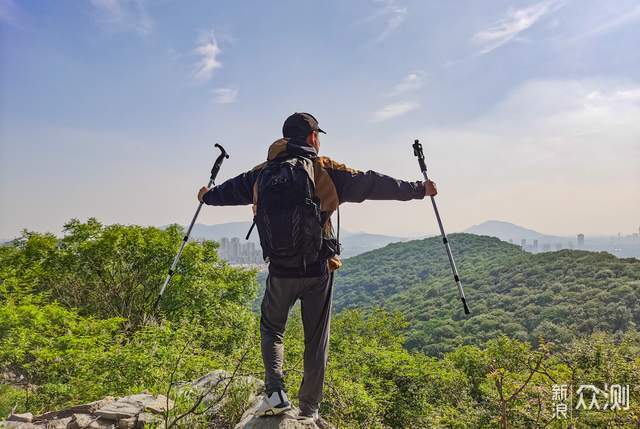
[[236, 191], [356, 186]]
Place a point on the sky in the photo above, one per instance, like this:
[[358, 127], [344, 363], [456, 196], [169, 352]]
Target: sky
[[528, 111]]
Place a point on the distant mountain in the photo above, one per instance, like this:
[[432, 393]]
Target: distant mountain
[[557, 295], [508, 231], [353, 243]]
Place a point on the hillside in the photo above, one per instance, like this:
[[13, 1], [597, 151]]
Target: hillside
[[81, 345], [508, 231], [557, 294]]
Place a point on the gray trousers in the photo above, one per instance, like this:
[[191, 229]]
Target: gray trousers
[[315, 294]]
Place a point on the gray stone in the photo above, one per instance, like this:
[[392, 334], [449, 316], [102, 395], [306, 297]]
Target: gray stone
[[212, 384], [86, 421], [24, 417], [89, 408], [119, 410], [154, 404], [286, 420], [19, 425], [128, 423], [147, 418], [58, 423]]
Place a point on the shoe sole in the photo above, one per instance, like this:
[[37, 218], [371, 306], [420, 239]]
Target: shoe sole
[[273, 411]]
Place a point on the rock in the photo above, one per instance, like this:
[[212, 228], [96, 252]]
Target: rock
[[24, 417], [19, 425], [128, 423], [86, 421], [58, 423], [119, 410], [154, 404], [286, 420], [146, 418], [213, 384], [89, 408]]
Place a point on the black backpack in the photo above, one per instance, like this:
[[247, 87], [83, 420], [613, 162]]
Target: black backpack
[[288, 213]]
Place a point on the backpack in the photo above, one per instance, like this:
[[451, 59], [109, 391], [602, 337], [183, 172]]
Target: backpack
[[288, 213]]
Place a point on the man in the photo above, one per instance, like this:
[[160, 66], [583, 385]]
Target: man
[[311, 281]]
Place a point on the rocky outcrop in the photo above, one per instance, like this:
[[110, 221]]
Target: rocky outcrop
[[128, 412], [144, 410]]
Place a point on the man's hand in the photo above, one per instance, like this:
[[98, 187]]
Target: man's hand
[[430, 189], [201, 193]]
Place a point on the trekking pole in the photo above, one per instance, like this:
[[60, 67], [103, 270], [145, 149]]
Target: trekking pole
[[214, 173], [417, 151]]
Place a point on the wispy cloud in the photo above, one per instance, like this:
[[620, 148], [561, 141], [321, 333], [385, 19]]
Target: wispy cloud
[[225, 95], [514, 23], [394, 110], [610, 22], [208, 50], [123, 15], [411, 82], [391, 14]]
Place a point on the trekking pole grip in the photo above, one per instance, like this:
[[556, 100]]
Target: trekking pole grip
[[417, 151], [218, 163]]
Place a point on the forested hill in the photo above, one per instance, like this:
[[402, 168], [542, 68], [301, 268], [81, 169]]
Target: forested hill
[[557, 295]]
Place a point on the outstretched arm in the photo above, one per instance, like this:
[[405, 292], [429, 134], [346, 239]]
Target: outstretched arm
[[356, 186], [233, 192]]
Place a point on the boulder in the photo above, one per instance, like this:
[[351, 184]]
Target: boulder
[[86, 421], [287, 420], [58, 423], [88, 408], [24, 417], [153, 404], [19, 425]]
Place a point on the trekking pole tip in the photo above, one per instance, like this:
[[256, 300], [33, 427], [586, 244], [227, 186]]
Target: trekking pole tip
[[466, 307]]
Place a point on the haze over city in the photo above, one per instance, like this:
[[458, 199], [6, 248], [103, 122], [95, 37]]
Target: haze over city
[[528, 111]]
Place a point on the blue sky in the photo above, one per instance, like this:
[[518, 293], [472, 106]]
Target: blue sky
[[529, 111]]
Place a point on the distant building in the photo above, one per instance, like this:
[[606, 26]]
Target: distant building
[[236, 252], [580, 241], [523, 243], [546, 247], [535, 245]]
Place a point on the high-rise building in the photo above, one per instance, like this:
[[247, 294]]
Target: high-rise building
[[535, 245], [580, 241], [234, 248], [523, 243]]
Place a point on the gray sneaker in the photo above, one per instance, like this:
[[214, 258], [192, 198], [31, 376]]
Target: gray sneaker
[[315, 418], [273, 404]]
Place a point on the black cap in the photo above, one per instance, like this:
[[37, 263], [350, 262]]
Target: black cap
[[300, 125]]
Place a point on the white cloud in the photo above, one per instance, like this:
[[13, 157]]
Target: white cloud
[[514, 23], [208, 51], [225, 95], [411, 82], [392, 14], [394, 110], [123, 15]]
